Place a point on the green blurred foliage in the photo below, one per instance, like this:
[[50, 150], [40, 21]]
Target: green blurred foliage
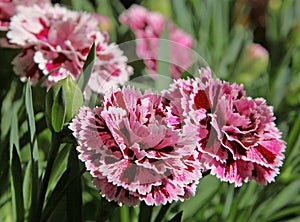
[[223, 30]]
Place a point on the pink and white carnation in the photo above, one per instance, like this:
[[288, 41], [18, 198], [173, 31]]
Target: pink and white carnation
[[134, 153], [237, 137], [61, 40], [8, 9], [148, 28]]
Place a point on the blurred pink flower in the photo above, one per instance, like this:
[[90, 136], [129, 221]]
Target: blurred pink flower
[[257, 52], [133, 152], [61, 39], [148, 28], [8, 9], [237, 136]]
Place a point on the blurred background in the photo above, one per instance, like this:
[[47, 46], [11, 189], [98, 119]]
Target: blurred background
[[253, 42]]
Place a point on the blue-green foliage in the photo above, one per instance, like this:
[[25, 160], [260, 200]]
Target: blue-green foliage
[[65, 191]]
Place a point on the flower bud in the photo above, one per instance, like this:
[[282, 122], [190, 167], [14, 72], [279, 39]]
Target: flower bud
[[104, 22], [254, 62], [63, 101]]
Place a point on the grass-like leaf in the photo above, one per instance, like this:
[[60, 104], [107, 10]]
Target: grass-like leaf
[[124, 214], [59, 165], [74, 191], [34, 149], [87, 68], [163, 80], [14, 132], [185, 18], [177, 217], [162, 212], [59, 191], [283, 198], [145, 212], [56, 195], [294, 134], [27, 188], [16, 182], [58, 113]]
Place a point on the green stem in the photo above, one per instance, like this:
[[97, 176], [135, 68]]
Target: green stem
[[53, 153], [145, 212], [124, 214]]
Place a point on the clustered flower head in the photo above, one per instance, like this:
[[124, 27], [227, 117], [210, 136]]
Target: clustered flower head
[[133, 151], [148, 28], [151, 147], [145, 147], [8, 9], [57, 40], [237, 137]]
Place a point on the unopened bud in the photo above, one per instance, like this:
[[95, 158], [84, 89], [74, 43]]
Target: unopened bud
[[63, 101]]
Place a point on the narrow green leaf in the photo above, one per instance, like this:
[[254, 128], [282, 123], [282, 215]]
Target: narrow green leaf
[[58, 113], [276, 202], [14, 131], [40, 125], [186, 75], [34, 149], [228, 202], [177, 217], [59, 191], [74, 191], [29, 109], [193, 70], [17, 185], [219, 26], [280, 85], [163, 79], [27, 183], [296, 219], [105, 209], [207, 189], [53, 153], [145, 212], [59, 165], [48, 107], [7, 103], [31, 121], [82, 5], [87, 68], [143, 83], [162, 212], [248, 194], [282, 214], [185, 18], [124, 214], [294, 134], [56, 195]]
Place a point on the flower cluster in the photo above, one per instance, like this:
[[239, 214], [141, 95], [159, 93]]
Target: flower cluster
[[237, 138], [8, 9], [145, 147], [151, 147], [148, 28], [49, 50], [134, 152]]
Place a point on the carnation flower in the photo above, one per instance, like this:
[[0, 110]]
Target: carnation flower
[[59, 41], [8, 9], [148, 28], [133, 152], [237, 137]]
